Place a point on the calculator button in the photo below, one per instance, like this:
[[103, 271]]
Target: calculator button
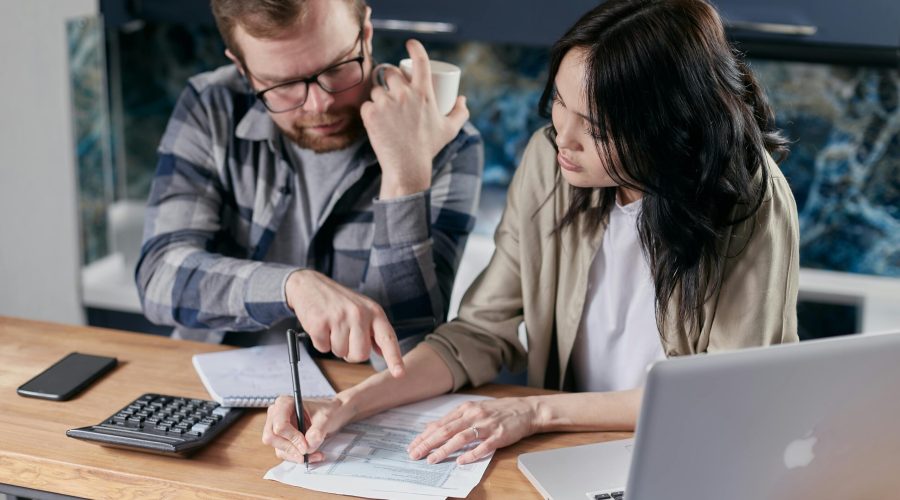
[[221, 411], [201, 428]]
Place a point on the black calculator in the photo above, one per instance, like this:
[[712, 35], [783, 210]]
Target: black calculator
[[166, 425]]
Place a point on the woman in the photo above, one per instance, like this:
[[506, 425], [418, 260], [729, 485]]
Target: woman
[[652, 191]]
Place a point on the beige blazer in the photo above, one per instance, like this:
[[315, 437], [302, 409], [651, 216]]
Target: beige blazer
[[541, 278]]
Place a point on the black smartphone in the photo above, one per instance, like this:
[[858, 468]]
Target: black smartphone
[[67, 377]]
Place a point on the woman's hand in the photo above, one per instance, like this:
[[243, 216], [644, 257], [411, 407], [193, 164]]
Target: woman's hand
[[323, 418], [428, 376], [497, 423]]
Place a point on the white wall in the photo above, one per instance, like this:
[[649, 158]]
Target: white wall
[[40, 252]]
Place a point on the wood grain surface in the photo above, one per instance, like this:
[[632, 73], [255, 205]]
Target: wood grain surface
[[35, 452]]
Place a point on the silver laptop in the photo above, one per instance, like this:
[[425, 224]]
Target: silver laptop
[[819, 419]]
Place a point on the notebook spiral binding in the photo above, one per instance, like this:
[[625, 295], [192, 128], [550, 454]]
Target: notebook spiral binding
[[248, 401]]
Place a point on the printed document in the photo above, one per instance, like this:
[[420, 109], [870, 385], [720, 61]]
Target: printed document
[[368, 458]]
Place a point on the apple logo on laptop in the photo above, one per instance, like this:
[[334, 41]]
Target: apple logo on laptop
[[799, 453]]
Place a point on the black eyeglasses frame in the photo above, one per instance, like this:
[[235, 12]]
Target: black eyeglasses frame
[[314, 78]]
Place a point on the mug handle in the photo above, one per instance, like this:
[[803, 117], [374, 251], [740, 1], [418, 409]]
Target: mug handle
[[378, 75]]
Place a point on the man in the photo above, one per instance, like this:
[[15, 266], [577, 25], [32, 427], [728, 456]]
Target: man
[[288, 188]]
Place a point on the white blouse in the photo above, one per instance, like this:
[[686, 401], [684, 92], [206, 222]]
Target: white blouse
[[617, 338]]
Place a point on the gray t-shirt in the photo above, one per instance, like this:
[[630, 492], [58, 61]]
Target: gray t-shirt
[[316, 182], [317, 179]]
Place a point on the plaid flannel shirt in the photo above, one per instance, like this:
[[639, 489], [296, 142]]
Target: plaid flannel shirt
[[221, 189]]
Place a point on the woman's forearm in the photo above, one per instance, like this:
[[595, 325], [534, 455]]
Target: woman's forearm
[[426, 376], [587, 411]]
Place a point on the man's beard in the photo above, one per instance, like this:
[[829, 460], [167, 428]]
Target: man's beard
[[351, 130]]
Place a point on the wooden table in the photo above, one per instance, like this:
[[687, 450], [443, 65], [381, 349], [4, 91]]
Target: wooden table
[[36, 454]]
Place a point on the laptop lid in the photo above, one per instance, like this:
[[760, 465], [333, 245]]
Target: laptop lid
[[818, 419]]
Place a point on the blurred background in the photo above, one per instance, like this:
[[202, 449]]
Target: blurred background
[[89, 86]]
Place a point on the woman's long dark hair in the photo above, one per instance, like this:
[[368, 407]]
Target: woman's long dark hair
[[677, 115]]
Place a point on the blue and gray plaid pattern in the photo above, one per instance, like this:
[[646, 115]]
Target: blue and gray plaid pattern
[[222, 188]]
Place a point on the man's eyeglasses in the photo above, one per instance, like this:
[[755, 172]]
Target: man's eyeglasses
[[333, 79]]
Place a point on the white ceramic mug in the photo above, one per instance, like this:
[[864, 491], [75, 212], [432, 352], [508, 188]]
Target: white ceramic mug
[[444, 78]]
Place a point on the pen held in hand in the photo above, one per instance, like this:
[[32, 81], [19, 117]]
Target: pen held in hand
[[292, 339]]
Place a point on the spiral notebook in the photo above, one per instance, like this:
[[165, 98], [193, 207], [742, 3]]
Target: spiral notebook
[[256, 376]]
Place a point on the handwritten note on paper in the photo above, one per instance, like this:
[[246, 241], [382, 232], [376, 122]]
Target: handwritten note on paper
[[368, 458]]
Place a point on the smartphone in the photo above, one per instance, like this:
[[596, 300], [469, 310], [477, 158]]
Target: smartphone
[[67, 377]]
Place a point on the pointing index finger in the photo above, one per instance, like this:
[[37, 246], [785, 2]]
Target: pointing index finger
[[386, 340]]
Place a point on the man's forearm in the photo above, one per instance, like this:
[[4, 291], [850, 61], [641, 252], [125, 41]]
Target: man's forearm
[[402, 271], [426, 376], [254, 290]]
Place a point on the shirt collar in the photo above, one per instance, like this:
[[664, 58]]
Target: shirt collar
[[632, 209], [257, 125]]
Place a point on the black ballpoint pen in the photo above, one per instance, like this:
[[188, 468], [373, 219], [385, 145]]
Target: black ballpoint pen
[[292, 337]]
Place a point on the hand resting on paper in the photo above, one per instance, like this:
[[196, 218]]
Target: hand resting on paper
[[499, 422]]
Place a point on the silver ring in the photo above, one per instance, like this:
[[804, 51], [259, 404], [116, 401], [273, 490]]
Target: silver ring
[[475, 430]]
